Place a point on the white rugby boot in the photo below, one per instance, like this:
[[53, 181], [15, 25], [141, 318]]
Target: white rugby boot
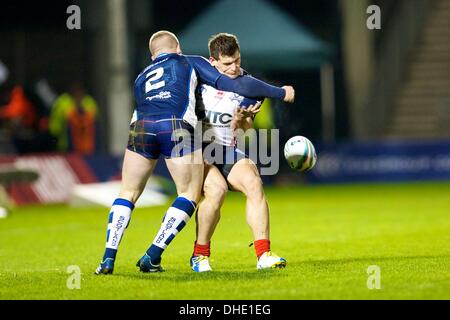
[[200, 264], [270, 260]]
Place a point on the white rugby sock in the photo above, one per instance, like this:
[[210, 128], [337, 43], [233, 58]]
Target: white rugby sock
[[119, 218], [176, 217]]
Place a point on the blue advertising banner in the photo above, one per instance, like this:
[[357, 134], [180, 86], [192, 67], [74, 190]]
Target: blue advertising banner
[[384, 161]]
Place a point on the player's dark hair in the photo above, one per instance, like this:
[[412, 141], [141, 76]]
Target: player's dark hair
[[224, 44]]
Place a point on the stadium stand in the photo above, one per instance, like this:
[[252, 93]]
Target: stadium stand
[[422, 106]]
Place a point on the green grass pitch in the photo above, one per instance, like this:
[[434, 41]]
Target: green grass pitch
[[329, 235]]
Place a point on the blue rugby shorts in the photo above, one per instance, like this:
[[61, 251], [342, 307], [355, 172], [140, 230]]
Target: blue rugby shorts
[[152, 136]]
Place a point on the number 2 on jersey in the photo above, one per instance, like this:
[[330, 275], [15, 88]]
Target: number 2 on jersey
[[152, 77]]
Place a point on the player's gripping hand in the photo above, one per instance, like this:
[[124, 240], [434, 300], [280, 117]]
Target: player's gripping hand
[[241, 115], [250, 111], [290, 94]]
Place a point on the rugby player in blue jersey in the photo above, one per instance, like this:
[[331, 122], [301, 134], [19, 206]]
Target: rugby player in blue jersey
[[163, 124]]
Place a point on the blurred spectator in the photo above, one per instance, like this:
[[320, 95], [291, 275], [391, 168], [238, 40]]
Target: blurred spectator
[[73, 121], [264, 118], [19, 111], [24, 120], [23, 116], [18, 121]]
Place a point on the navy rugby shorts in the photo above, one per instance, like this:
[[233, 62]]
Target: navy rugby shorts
[[223, 157], [152, 136]]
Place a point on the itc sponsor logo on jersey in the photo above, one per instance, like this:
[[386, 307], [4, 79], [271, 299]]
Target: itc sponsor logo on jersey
[[218, 117]]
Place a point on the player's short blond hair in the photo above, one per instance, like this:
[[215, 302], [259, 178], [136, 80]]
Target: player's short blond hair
[[162, 39]]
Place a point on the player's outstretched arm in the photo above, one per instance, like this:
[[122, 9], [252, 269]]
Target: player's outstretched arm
[[251, 87], [244, 85]]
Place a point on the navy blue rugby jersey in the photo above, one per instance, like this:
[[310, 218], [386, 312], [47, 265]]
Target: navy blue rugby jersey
[[167, 86]]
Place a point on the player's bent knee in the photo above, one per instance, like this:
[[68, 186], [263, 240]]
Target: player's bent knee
[[215, 191], [215, 187]]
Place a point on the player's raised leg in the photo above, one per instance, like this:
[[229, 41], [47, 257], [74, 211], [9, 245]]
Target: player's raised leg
[[208, 214], [244, 177], [135, 173], [187, 173]]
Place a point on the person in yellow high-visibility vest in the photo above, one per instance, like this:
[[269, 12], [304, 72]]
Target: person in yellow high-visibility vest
[[264, 120], [73, 121]]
